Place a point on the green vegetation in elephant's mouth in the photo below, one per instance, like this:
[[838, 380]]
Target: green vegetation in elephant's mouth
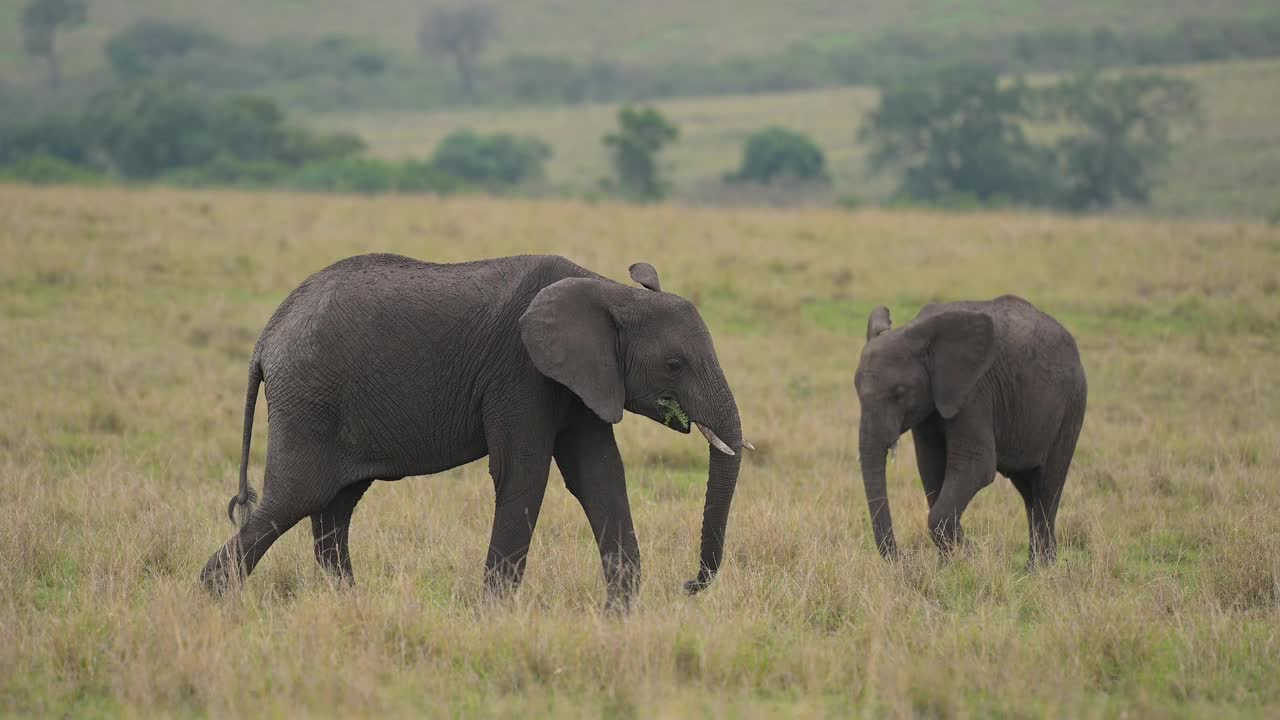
[[671, 410]]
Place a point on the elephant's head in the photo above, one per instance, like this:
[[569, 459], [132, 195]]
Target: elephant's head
[[904, 376], [640, 349]]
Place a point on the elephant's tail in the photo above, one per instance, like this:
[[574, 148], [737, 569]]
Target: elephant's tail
[[247, 496]]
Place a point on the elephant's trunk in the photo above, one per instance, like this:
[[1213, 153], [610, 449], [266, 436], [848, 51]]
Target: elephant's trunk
[[724, 425], [872, 453]]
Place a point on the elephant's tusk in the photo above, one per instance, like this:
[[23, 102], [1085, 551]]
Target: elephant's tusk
[[747, 444], [716, 442]]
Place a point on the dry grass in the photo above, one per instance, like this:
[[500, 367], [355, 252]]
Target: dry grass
[[1229, 167], [126, 319]]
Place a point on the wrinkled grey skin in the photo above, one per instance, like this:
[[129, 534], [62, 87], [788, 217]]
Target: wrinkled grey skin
[[381, 367], [984, 387]]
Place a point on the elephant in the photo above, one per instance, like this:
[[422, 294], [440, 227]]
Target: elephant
[[381, 367], [984, 387]]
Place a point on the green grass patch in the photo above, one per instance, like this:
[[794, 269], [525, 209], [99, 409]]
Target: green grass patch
[[849, 317], [55, 581]]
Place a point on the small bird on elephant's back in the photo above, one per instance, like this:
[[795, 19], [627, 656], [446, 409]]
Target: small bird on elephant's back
[[381, 367], [984, 387]]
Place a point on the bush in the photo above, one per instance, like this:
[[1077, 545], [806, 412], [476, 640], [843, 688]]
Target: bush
[[354, 54], [776, 153], [339, 174], [153, 129], [228, 170], [54, 136], [144, 47], [367, 175], [539, 79], [499, 159], [333, 71], [42, 169]]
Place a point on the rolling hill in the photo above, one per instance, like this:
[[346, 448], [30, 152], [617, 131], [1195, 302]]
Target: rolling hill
[[621, 30]]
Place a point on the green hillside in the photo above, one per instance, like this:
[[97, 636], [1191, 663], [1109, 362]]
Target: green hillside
[[1231, 166], [632, 32]]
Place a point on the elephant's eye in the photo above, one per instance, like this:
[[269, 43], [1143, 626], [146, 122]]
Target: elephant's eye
[[674, 364], [897, 392]]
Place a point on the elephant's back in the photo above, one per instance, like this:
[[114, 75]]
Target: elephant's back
[[1041, 343], [398, 294], [1044, 357]]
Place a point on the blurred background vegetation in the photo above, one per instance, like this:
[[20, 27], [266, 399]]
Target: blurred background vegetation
[[1082, 107]]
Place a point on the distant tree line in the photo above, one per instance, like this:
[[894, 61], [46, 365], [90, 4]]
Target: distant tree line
[[459, 66], [957, 137]]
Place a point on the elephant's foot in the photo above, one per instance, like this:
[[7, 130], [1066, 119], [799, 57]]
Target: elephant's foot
[[1039, 559], [221, 575], [949, 537], [502, 580], [619, 605]]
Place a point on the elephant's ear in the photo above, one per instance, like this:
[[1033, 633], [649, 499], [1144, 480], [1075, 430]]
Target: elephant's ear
[[878, 322], [646, 275], [572, 339], [959, 348]]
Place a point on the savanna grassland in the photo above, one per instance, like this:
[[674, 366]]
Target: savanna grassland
[[1228, 166], [127, 317]]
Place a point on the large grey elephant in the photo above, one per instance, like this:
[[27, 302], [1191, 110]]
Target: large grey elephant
[[381, 367], [984, 387]]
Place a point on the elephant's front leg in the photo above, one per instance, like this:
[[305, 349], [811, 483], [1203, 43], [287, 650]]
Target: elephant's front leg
[[519, 471], [931, 456], [971, 466], [592, 468]]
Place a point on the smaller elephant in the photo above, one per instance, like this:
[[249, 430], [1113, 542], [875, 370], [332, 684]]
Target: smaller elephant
[[984, 387]]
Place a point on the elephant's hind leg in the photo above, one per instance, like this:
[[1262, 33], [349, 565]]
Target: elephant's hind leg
[[294, 487], [1041, 513], [331, 529], [1048, 491], [237, 558], [1041, 490]]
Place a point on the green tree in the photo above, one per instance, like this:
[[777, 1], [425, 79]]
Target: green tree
[[777, 152], [41, 21], [460, 34], [958, 133], [1123, 131], [633, 149], [499, 159]]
